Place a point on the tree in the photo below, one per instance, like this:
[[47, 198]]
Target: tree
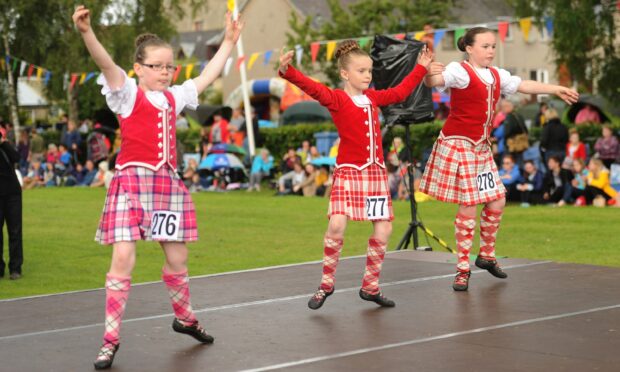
[[41, 32], [364, 18], [584, 33]]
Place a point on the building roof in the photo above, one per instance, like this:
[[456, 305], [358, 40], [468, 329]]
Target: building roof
[[194, 43], [463, 12]]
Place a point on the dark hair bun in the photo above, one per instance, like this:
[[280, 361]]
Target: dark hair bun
[[460, 43], [145, 37], [346, 47]]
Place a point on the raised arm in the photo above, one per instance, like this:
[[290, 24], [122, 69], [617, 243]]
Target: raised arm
[[318, 91], [216, 65], [568, 95], [114, 77]]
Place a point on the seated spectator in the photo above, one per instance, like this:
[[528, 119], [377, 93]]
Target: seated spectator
[[607, 147], [323, 181], [588, 114], [598, 184], [52, 154], [50, 176], [557, 183], [303, 152], [103, 177], [289, 160], [288, 182], [308, 185], [190, 172], [579, 182], [89, 175], [314, 154], [64, 156], [509, 174], [333, 151], [515, 131], [575, 149], [35, 177], [554, 136], [261, 167], [530, 185]]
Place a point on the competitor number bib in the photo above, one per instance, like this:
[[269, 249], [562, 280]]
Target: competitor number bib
[[165, 225], [486, 182], [377, 208]]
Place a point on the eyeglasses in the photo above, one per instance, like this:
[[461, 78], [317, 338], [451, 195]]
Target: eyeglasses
[[159, 67]]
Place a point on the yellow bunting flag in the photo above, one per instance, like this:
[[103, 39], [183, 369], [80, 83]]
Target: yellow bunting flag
[[331, 46], [252, 59], [231, 5], [131, 73], [419, 35], [39, 73], [188, 71], [82, 77], [525, 24], [2, 64]]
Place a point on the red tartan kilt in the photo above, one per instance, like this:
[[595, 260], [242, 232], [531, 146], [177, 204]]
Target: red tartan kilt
[[352, 186], [134, 193], [451, 172]]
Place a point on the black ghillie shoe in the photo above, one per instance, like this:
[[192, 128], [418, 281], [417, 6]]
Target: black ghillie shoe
[[378, 298], [195, 330], [491, 266], [317, 300], [106, 356], [461, 280]]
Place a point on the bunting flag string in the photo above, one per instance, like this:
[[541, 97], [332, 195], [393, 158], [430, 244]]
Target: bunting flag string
[[25, 68]]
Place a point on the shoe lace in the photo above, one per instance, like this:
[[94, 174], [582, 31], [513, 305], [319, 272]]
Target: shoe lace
[[319, 295], [106, 352], [461, 278]]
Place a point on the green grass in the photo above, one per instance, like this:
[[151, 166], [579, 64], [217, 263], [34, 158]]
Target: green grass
[[240, 230]]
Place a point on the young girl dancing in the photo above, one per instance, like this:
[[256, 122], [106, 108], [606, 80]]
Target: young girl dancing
[[461, 169], [146, 199], [360, 191]]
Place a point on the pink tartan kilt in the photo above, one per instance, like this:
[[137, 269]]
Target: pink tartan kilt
[[352, 186], [134, 193], [451, 172]]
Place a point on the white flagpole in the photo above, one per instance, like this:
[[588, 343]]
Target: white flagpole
[[244, 87]]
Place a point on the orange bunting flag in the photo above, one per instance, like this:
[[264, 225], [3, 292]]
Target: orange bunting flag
[[502, 29], [314, 50], [131, 73], [73, 80], [2, 64], [331, 47], [400, 36], [252, 59], [30, 70], [188, 71], [419, 35], [176, 73], [525, 24], [239, 62]]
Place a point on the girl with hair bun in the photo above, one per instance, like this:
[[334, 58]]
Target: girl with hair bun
[[147, 200], [360, 191], [461, 169]]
